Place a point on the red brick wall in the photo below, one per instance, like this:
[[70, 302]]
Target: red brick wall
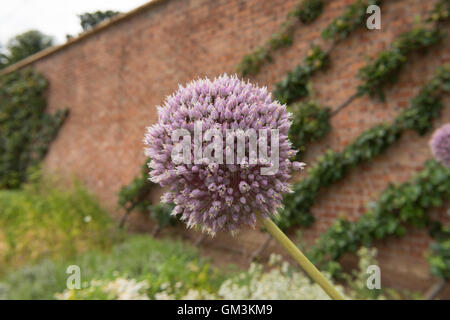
[[113, 79]]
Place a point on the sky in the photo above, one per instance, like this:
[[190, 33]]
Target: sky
[[53, 17]]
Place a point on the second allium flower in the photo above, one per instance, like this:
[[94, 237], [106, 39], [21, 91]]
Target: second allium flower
[[220, 197], [440, 144]]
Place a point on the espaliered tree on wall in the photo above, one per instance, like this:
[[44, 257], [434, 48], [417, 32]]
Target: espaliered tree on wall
[[398, 206], [310, 120], [354, 16], [416, 40], [294, 85], [439, 257], [333, 166], [309, 123], [135, 196], [374, 76], [383, 71], [306, 11], [440, 12], [26, 130]]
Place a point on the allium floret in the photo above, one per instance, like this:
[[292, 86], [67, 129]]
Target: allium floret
[[220, 196]]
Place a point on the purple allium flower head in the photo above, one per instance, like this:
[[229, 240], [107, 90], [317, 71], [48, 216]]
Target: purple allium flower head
[[220, 196], [440, 144]]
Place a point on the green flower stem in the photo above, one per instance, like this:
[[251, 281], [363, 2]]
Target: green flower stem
[[307, 266]]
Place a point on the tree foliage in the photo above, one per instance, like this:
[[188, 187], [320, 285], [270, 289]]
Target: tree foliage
[[24, 45], [89, 20]]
